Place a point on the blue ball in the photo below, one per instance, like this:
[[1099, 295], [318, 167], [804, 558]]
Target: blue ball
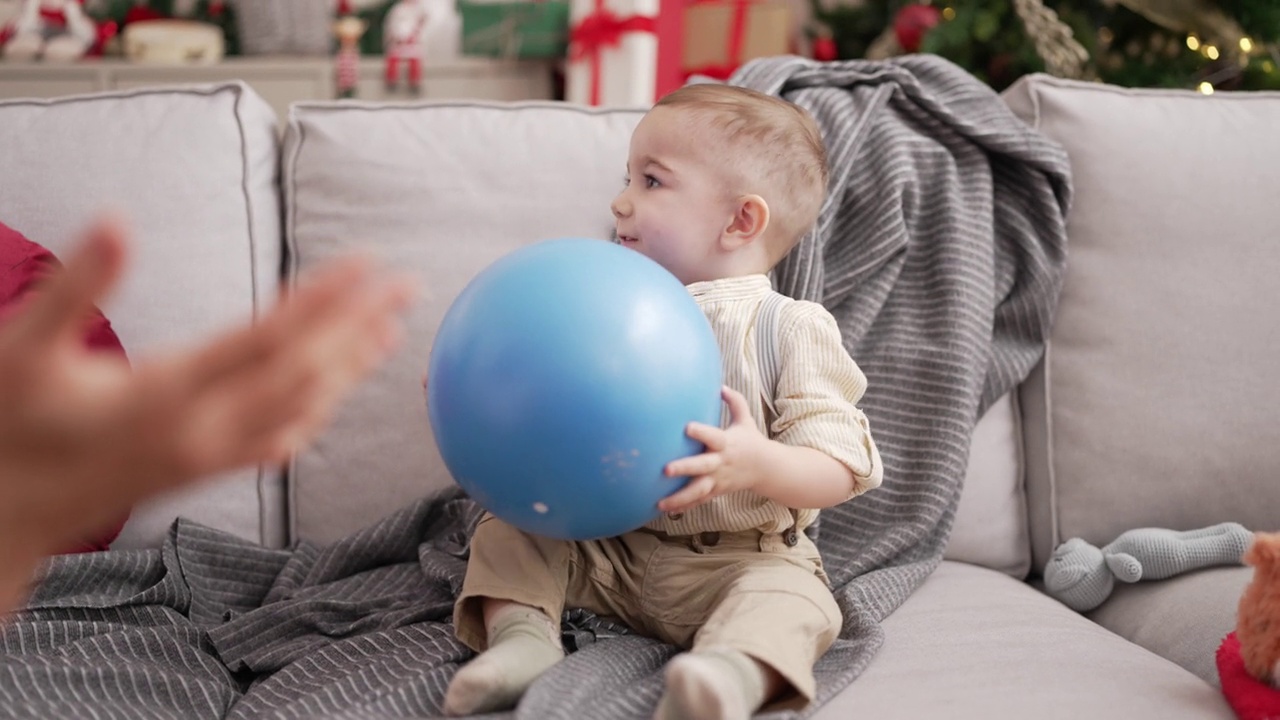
[[561, 382]]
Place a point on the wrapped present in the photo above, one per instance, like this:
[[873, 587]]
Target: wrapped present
[[518, 29], [720, 35], [613, 52]]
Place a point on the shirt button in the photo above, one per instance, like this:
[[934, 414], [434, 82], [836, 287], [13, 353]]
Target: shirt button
[[790, 537]]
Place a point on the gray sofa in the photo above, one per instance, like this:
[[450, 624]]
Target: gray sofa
[[1150, 408]]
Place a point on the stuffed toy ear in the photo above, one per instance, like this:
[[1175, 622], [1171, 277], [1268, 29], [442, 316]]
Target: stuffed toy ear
[[1125, 567]]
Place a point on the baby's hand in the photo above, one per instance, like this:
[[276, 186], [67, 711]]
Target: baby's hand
[[731, 462]]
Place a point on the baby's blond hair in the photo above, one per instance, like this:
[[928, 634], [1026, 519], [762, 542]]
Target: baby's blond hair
[[776, 148]]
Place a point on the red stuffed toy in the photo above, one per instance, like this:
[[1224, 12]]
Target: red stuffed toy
[[23, 264], [1249, 658]]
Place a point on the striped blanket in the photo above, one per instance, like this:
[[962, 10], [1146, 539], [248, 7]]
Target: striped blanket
[[940, 252]]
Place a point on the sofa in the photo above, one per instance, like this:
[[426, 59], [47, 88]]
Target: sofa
[[1148, 409]]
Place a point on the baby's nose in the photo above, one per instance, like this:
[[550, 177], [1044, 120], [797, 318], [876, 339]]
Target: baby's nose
[[619, 207]]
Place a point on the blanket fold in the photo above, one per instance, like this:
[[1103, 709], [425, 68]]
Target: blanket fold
[[940, 251]]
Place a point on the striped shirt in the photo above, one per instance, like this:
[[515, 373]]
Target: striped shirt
[[818, 386]]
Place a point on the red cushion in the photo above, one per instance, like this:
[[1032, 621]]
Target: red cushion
[[22, 265], [1251, 698]]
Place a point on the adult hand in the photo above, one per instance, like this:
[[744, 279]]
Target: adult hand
[[83, 438]]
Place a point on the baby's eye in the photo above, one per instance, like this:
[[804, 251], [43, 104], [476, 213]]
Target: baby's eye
[[651, 182]]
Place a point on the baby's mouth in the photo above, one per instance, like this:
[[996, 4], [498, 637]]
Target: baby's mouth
[[628, 239]]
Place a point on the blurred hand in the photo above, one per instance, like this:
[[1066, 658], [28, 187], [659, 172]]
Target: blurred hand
[[83, 438]]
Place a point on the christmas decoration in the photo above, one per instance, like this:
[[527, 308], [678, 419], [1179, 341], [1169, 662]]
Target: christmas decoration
[[720, 35], [402, 33], [912, 22], [823, 48], [53, 30], [613, 52], [1227, 45], [113, 16], [515, 29], [347, 29]]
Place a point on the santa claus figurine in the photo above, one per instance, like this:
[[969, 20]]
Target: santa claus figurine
[[54, 30], [402, 33]]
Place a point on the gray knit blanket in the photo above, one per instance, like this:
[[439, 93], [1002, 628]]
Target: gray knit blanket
[[940, 252]]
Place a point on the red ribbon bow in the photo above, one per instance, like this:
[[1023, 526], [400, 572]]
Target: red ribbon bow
[[599, 30]]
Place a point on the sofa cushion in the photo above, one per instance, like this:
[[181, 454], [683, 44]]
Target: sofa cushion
[[991, 521], [1155, 404], [444, 189], [193, 170], [441, 190], [972, 643], [1183, 618]]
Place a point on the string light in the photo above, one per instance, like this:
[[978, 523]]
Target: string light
[[1206, 88], [1246, 44], [1193, 42], [1211, 52], [949, 13]]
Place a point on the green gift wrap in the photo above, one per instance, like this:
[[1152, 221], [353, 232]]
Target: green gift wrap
[[521, 29]]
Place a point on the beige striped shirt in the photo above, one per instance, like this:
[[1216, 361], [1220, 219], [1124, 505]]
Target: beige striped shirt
[[818, 386]]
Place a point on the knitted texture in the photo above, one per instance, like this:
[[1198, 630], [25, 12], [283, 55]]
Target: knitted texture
[[1082, 576]]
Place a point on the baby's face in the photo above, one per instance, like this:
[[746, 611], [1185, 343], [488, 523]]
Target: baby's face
[[675, 205]]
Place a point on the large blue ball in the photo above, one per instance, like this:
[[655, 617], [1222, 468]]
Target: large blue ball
[[560, 384]]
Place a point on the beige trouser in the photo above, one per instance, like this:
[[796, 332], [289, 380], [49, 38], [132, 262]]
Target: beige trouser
[[748, 590]]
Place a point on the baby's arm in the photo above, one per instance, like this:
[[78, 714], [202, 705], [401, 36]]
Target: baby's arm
[[822, 452], [739, 457], [819, 387]]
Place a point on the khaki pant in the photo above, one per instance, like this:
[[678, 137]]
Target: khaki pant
[[748, 591]]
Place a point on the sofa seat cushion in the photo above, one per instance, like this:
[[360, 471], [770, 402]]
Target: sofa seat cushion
[[972, 642], [193, 170], [1183, 618]]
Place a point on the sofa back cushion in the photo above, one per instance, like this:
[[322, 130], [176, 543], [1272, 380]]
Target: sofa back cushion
[[1155, 405], [193, 171], [440, 190], [443, 190]]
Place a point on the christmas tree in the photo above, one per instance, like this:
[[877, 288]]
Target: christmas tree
[[1227, 45]]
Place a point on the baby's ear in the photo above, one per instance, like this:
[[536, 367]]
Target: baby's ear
[[749, 221]]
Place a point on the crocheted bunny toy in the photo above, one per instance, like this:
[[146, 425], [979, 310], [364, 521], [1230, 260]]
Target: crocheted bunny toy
[[1082, 575]]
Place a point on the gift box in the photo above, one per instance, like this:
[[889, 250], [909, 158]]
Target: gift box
[[519, 29], [613, 52], [720, 36]]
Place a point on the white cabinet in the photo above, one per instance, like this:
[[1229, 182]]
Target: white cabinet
[[283, 80]]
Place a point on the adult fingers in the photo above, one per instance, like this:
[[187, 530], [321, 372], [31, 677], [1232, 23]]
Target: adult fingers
[[69, 295]]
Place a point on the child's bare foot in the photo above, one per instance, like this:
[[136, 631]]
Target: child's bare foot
[[523, 643]]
